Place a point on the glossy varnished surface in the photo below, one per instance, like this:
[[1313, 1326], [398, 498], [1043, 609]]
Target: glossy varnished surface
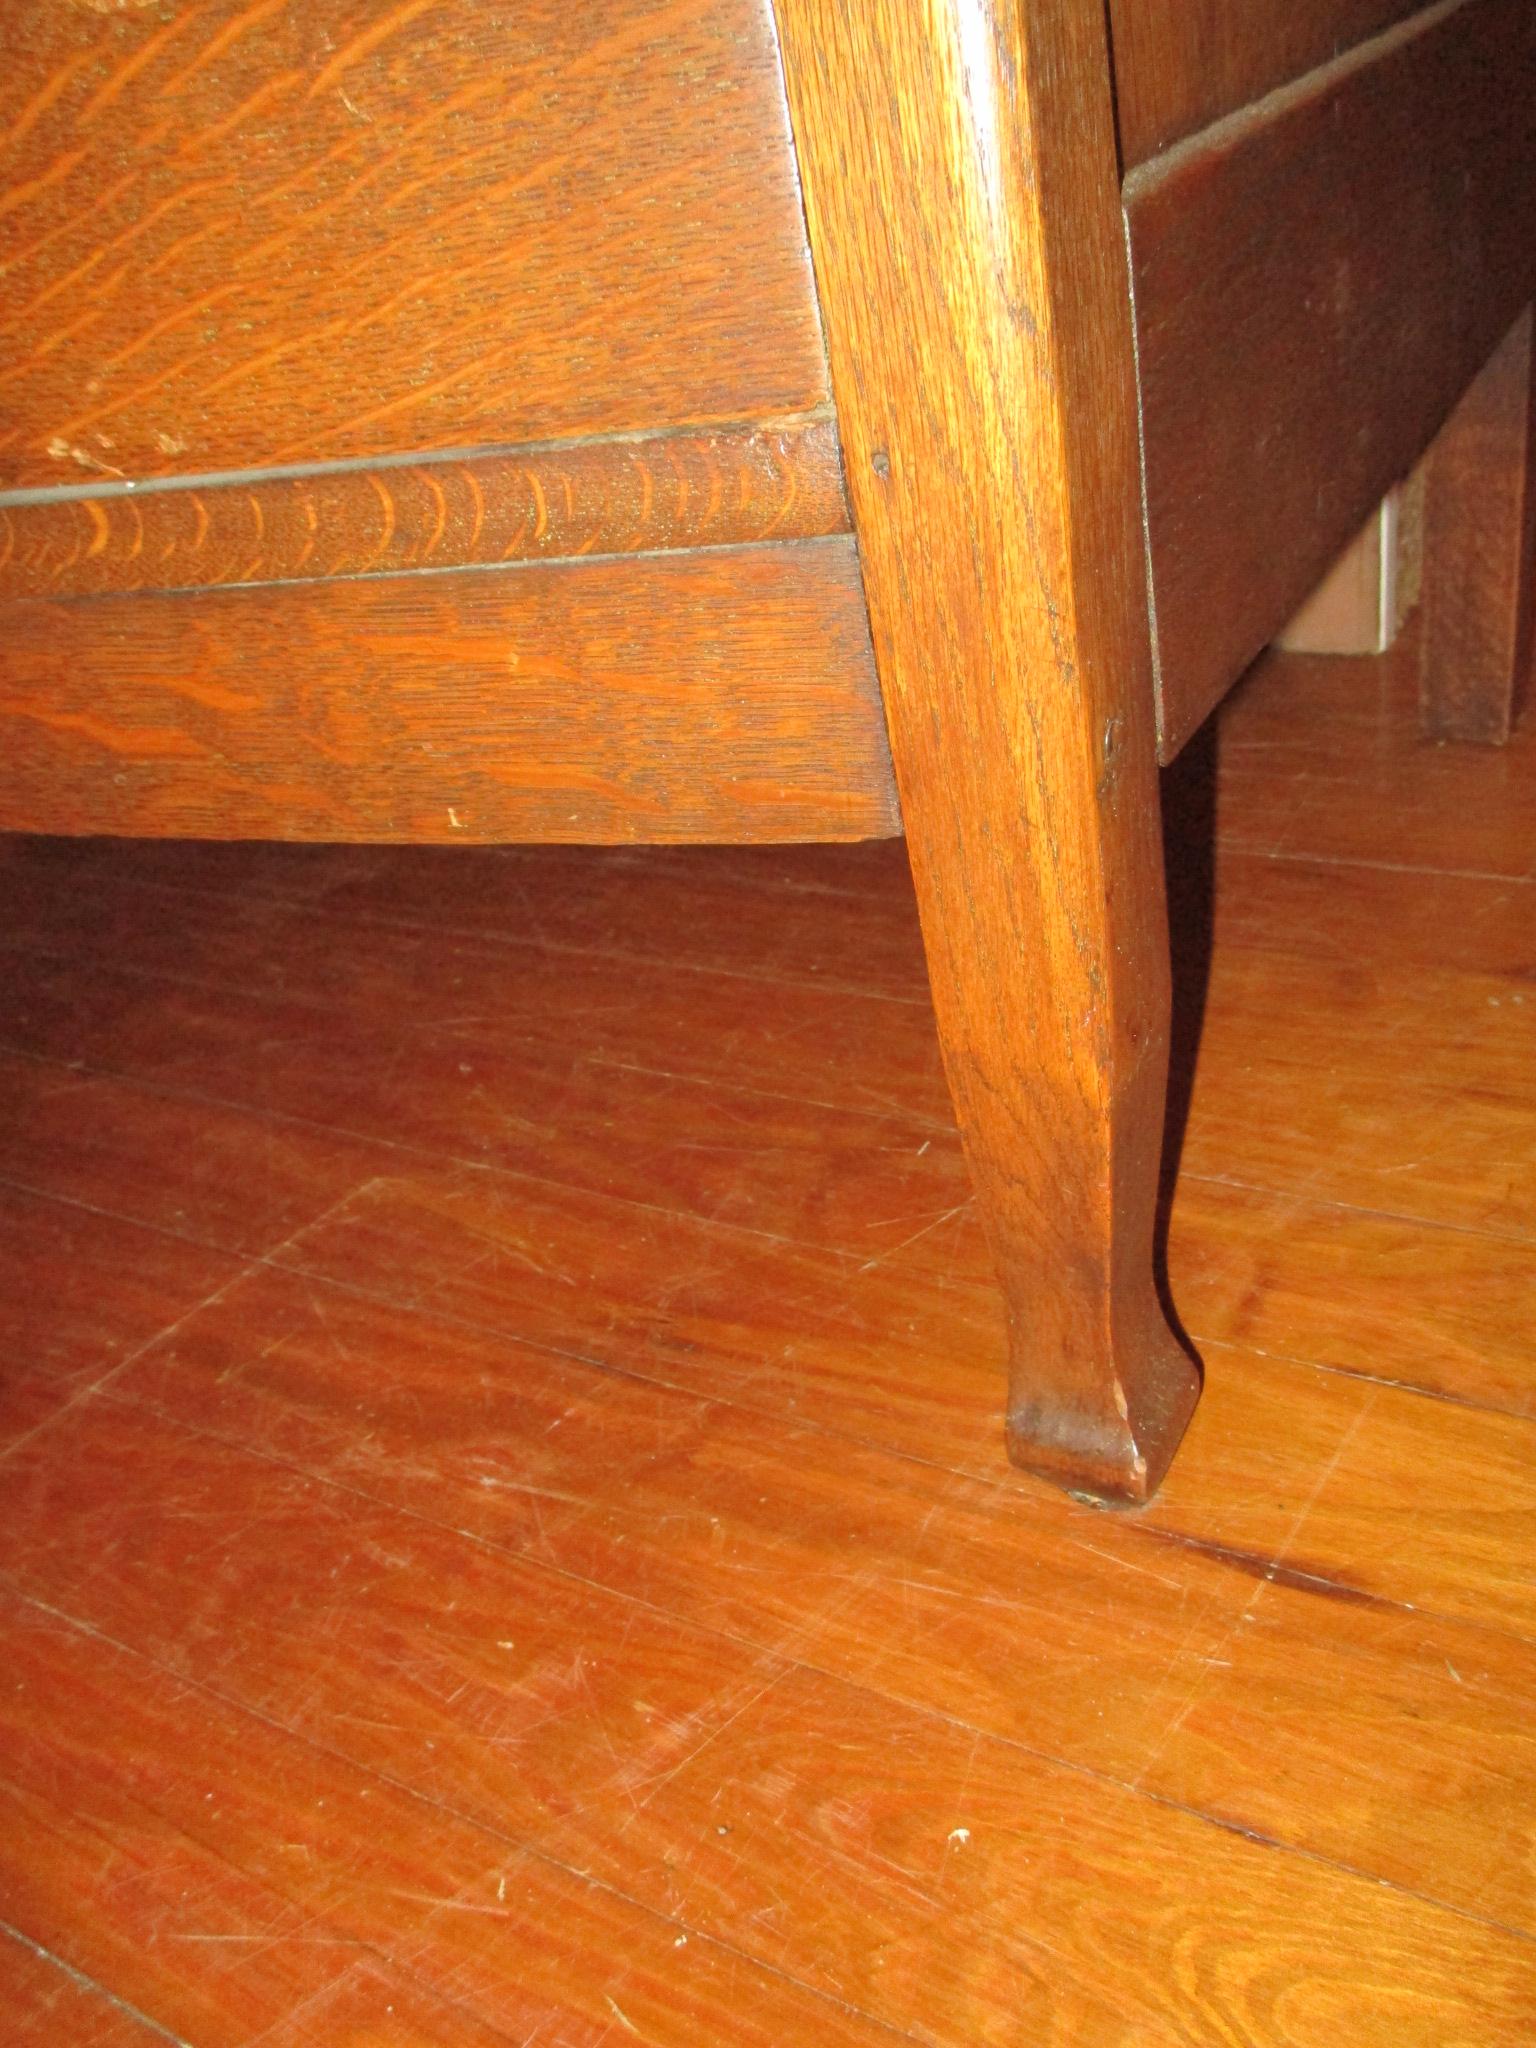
[[554, 501], [246, 232], [506, 1529], [962, 197], [718, 693]]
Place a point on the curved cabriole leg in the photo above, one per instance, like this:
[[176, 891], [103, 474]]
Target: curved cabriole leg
[[958, 161]]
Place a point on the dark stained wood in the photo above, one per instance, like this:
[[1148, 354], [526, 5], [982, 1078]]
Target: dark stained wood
[[626, 496], [268, 231], [1479, 591], [961, 193], [1178, 68], [1316, 282], [534, 702]]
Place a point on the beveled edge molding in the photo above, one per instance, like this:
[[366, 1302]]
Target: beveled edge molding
[[631, 494]]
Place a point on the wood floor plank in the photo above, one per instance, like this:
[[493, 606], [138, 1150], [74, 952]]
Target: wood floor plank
[[1322, 759], [140, 1282], [1343, 911], [1388, 1122], [866, 1566], [1321, 1475], [44, 2001], [725, 1788], [252, 1965], [321, 1855], [226, 1178], [1447, 1310], [909, 1355], [80, 1293], [601, 1450], [851, 1169], [840, 916]]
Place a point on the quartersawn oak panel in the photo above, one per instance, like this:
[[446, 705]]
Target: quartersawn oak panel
[[1177, 68], [620, 495], [266, 231], [538, 702], [1315, 286]]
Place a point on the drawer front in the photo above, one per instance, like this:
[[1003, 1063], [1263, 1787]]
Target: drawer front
[[242, 233]]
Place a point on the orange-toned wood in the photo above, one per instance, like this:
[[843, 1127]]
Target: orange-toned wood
[[961, 193], [1480, 552], [247, 232], [1340, 782], [1161, 1660], [452, 1920], [662, 1759], [626, 496], [1179, 68], [1316, 282], [426, 1466], [727, 693], [45, 2001]]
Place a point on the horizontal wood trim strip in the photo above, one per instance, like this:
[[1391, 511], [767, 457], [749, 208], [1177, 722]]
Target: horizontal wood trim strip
[[240, 232], [1316, 283], [728, 694], [1179, 68], [630, 495]]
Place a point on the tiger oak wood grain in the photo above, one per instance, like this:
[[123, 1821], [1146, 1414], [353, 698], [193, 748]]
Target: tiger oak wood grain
[[1179, 68], [628, 495], [539, 701], [1479, 599], [248, 232], [1317, 280], [960, 179]]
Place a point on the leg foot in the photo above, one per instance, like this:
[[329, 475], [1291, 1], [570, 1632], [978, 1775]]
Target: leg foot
[[1119, 1456]]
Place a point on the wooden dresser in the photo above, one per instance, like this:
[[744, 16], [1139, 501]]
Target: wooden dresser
[[440, 420]]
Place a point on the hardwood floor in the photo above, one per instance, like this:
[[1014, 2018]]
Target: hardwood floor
[[505, 1536]]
